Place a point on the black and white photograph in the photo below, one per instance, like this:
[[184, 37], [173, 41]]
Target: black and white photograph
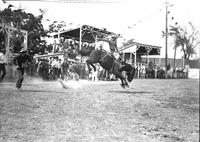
[[99, 70]]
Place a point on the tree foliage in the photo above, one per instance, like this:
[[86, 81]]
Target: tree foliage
[[26, 21], [56, 27], [187, 39]]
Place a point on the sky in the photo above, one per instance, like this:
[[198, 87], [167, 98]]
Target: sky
[[142, 20]]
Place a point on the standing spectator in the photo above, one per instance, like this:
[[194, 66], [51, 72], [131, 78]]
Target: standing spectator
[[186, 71], [59, 68], [142, 70], [43, 69], [21, 62], [3, 64], [95, 74], [101, 72], [54, 68], [71, 45], [168, 67], [64, 68], [138, 67]]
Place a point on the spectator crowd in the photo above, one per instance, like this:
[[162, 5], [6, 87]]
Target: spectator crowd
[[151, 70], [53, 68]]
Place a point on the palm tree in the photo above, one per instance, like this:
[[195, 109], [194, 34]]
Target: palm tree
[[174, 31], [185, 39]]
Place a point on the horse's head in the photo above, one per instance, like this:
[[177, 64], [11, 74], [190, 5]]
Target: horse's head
[[130, 74]]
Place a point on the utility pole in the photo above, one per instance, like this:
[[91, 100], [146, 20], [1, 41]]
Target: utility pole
[[166, 37]]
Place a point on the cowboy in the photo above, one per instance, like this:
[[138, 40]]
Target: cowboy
[[3, 64], [113, 45], [21, 61]]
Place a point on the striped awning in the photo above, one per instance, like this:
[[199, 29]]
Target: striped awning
[[142, 49]]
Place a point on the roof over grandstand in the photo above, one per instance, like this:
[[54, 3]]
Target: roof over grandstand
[[88, 34], [142, 49]]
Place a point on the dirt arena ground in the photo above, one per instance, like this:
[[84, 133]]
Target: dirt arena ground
[[148, 111]]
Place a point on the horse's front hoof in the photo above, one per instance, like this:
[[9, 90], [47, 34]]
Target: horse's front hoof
[[123, 86]]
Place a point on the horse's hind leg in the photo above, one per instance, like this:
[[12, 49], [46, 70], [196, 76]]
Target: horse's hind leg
[[88, 62], [123, 80]]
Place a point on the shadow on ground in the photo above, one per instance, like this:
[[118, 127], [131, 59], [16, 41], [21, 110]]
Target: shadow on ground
[[130, 92], [42, 91]]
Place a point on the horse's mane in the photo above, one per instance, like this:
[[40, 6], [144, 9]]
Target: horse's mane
[[85, 51]]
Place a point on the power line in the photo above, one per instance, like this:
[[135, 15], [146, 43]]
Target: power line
[[145, 18], [71, 1]]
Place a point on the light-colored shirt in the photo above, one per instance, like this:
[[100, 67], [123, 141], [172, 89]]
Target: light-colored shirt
[[2, 58], [112, 44], [56, 64]]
